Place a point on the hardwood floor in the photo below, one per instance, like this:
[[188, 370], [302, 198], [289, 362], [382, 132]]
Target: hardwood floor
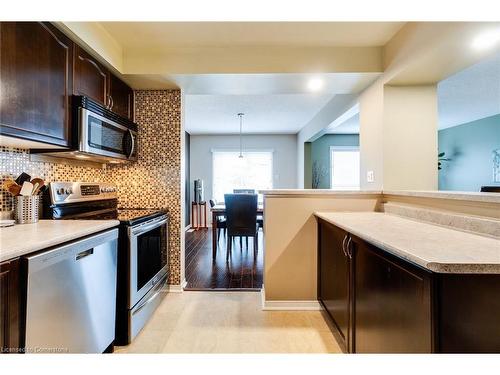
[[241, 272]]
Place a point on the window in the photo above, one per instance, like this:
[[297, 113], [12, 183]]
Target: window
[[253, 171], [344, 168]]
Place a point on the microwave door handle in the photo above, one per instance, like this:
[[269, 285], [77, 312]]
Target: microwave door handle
[[132, 147]]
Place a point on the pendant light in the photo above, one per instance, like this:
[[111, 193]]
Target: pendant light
[[240, 115]]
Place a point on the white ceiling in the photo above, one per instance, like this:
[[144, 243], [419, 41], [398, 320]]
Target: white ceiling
[[271, 84], [273, 103], [164, 35], [350, 126], [471, 94], [282, 113]]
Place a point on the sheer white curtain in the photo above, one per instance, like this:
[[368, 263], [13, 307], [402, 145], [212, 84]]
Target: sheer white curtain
[[253, 171]]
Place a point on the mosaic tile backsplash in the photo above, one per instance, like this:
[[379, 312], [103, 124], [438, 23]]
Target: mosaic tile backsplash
[[154, 181]]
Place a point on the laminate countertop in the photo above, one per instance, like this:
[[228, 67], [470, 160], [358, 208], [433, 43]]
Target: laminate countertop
[[438, 249], [23, 239]]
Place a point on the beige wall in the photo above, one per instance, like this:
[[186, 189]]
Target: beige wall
[[290, 250], [410, 138], [371, 136]]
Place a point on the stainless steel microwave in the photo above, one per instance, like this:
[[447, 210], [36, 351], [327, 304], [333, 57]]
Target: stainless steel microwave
[[100, 134]]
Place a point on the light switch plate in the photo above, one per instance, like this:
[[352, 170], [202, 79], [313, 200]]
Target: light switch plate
[[370, 177]]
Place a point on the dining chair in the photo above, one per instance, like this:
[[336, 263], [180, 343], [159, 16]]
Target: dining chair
[[243, 191], [241, 219], [221, 221]]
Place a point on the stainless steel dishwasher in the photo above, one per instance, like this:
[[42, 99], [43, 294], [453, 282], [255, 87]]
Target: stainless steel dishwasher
[[71, 296]]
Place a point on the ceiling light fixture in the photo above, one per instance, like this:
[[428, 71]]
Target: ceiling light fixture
[[240, 115], [486, 40], [315, 84]]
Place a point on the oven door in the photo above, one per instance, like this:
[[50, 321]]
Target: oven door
[[148, 246], [102, 136]]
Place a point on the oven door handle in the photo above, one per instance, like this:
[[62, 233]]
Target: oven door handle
[[148, 226]]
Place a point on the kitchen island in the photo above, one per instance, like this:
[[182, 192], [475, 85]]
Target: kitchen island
[[391, 284]]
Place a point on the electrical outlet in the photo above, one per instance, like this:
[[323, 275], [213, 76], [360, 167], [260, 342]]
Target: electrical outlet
[[370, 177]]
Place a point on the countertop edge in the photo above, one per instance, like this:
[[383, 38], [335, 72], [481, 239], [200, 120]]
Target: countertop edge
[[318, 192], [437, 267], [58, 240]]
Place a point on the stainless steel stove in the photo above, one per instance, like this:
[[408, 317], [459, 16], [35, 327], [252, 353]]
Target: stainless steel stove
[[142, 247]]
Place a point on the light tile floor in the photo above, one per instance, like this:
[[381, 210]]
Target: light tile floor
[[230, 322]]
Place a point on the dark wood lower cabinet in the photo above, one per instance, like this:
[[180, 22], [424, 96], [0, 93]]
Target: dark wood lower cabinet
[[334, 285], [11, 307], [392, 304], [395, 306]]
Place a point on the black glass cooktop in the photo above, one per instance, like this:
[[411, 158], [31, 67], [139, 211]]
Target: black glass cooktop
[[133, 216]]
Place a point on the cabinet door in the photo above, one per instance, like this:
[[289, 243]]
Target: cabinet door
[[35, 82], [392, 303], [333, 280], [91, 78], [10, 312], [122, 97]]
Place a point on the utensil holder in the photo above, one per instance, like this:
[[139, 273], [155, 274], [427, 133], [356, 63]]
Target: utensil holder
[[26, 209]]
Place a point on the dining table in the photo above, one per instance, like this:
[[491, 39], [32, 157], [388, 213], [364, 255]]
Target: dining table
[[219, 210]]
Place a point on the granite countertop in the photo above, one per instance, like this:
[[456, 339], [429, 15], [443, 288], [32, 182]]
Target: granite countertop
[[23, 239], [436, 248]]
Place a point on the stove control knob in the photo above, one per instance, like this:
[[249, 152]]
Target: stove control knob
[[60, 191], [69, 191], [102, 190]]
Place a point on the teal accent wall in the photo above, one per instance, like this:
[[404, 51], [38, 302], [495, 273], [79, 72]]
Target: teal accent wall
[[320, 152], [470, 146]]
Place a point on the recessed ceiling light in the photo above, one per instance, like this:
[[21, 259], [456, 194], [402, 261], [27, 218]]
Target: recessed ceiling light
[[315, 84], [486, 40]]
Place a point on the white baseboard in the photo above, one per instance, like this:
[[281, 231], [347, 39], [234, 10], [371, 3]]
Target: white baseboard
[[304, 305], [176, 288]]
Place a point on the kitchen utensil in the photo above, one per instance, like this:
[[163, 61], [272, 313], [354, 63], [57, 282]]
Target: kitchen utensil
[[12, 187], [40, 183], [35, 188], [26, 189], [23, 177], [8, 183]]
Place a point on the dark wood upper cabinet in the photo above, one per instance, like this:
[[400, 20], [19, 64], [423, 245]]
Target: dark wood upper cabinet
[[122, 97], [35, 82], [334, 279], [90, 77], [392, 303]]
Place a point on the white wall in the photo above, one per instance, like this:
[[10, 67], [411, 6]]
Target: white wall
[[284, 156]]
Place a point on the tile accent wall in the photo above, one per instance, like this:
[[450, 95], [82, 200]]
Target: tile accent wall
[[14, 161], [154, 181]]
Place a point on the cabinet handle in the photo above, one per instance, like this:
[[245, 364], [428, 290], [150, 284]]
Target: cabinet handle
[[343, 245], [349, 250], [111, 102]]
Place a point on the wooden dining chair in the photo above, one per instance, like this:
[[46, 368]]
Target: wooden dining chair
[[241, 219], [221, 221]]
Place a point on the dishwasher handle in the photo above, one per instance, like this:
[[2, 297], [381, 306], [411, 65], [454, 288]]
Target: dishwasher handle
[[84, 254]]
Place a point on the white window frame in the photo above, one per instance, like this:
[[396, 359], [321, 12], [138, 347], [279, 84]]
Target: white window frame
[[330, 156], [246, 150]]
